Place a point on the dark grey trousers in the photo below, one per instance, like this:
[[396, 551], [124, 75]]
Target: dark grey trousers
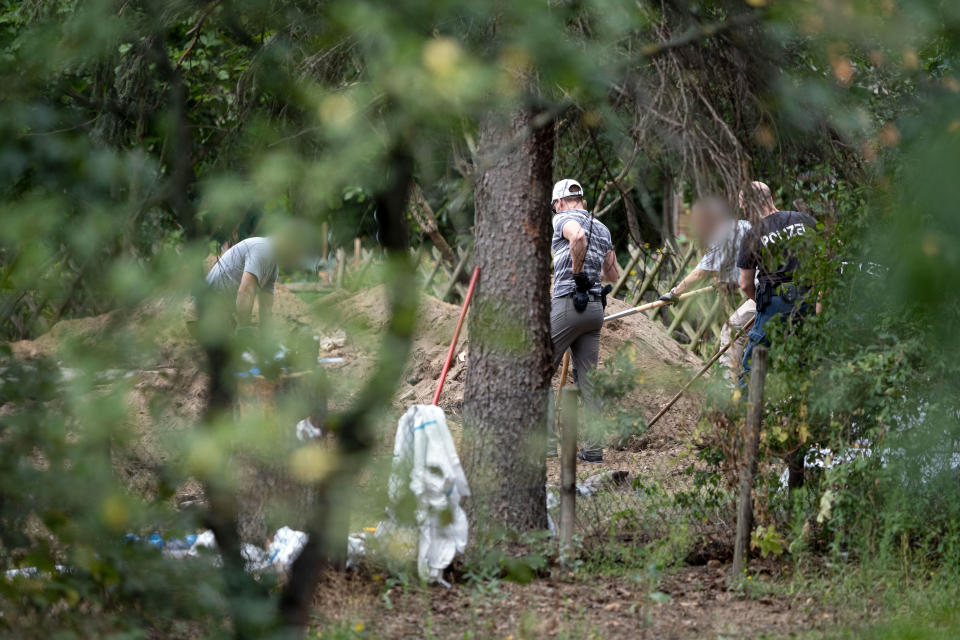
[[579, 331]]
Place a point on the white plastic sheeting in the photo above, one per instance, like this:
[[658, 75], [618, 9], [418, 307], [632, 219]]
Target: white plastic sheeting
[[426, 466], [825, 458], [32, 572], [306, 431], [283, 549]]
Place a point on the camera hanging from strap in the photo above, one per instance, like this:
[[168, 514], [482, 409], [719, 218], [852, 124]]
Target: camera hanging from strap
[[580, 297]]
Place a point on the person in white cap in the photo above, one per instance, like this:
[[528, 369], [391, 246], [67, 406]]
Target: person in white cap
[[583, 256]]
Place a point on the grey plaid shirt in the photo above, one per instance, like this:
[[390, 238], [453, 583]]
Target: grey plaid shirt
[[598, 244]]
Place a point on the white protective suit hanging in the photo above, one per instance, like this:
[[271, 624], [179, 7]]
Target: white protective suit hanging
[[426, 465]]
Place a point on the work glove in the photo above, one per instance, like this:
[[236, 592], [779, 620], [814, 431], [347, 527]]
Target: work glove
[[669, 297]]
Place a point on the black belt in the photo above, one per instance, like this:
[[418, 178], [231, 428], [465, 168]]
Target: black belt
[[594, 297], [790, 292]]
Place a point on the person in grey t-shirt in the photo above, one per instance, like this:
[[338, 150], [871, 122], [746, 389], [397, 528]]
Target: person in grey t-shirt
[[583, 255], [249, 269], [717, 229]]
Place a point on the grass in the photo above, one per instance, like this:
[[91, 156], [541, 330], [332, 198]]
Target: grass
[[859, 601], [874, 602]]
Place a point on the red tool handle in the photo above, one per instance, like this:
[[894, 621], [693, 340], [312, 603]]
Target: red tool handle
[[456, 333]]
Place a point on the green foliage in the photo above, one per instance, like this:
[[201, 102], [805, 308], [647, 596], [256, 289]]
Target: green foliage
[[515, 558], [614, 379], [135, 136], [767, 541]]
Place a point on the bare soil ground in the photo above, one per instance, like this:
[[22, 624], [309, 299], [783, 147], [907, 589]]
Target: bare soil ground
[[691, 603], [169, 392]]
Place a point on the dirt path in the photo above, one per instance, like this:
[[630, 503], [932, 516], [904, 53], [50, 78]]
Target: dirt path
[[690, 603]]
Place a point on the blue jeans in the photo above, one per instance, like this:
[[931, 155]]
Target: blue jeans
[[778, 307]]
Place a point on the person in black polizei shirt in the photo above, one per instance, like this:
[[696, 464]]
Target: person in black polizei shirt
[[772, 251]]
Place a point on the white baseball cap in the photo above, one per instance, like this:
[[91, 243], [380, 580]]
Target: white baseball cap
[[566, 188]]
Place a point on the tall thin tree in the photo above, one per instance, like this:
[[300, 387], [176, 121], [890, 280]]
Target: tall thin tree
[[507, 384]]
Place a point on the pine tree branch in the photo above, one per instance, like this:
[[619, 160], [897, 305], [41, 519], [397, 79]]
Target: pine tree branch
[[195, 30], [700, 33]]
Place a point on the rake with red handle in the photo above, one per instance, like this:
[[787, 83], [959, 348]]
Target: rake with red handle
[[456, 333]]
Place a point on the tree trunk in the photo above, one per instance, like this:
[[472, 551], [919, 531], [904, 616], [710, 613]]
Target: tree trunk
[[795, 477], [508, 378]]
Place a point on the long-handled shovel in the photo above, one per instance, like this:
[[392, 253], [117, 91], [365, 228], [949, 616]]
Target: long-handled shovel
[[702, 371], [456, 334], [657, 304]]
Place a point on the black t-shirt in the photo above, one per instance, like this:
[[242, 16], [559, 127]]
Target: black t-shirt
[[772, 246]]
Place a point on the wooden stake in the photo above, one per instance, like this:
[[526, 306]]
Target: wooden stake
[[324, 249], [341, 267], [650, 276], [564, 369], [702, 371], [568, 468], [356, 250], [634, 259], [748, 469]]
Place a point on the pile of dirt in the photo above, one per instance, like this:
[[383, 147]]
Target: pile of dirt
[[158, 314], [164, 365], [364, 316], [658, 453], [169, 391], [664, 363]]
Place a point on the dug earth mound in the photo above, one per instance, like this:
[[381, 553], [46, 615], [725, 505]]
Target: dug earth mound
[[168, 387]]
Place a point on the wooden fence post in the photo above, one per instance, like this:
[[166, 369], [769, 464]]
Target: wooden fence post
[[748, 468], [455, 276], [634, 259], [569, 417], [341, 268], [707, 322], [649, 279], [324, 248]]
